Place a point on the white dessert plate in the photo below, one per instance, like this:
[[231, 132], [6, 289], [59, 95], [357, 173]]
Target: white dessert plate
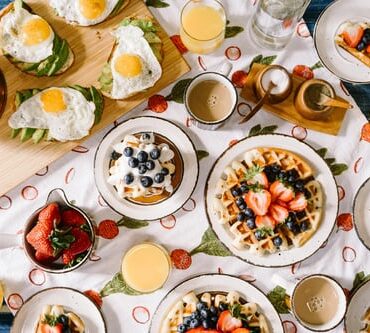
[[171, 132], [361, 213], [359, 303], [217, 283], [336, 60], [28, 315], [322, 174]]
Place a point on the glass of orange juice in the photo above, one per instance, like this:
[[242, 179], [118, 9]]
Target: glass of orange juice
[[203, 24], [146, 267]]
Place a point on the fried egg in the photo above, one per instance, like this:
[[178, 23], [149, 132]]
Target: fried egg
[[65, 112], [84, 12], [134, 66], [25, 36]]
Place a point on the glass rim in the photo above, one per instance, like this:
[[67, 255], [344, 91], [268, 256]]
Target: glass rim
[[203, 40]]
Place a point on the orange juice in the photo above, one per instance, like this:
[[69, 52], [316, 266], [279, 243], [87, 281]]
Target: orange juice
[[203, 25], [146, 267]]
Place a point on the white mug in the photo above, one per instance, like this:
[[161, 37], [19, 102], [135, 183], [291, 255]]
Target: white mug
[[291, 289], [220, 76]]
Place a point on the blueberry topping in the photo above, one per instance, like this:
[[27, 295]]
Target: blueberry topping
[[155, 153], [195, 315], [205, 313], [133, 162], [244, 188], [304, 226], [282, 175], [243, 206], [290, 224], [223, 306], [301, 215], [201, 306], [150, 165], [259, 234], [366, 38], [115, 156], [278, 241], [296, 229], [159, 178], [194, 323], [128, 151], [249, 212], [241, 217], [299, 186], [307, 194], [142, 156], [292, 217], [63, 319], [129, 178], [145, 136], [293, 174], [207, 323], [181, 328], [146, 181], [213, 310], [361, 46], [240, 201], [142, 169], [271, 172], [187, 320], [214, 320], [236, 191], [251, 224], [165, 171]]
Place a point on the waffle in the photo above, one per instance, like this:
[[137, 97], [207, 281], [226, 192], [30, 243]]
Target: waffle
[[366, 322], [227, 210], [188, 305]]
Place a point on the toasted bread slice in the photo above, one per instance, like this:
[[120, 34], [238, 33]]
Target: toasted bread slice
[[357, 54], [152, 37], [121, 4], [50, 66]]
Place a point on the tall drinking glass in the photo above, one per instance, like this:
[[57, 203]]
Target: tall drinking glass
[[274, 22]]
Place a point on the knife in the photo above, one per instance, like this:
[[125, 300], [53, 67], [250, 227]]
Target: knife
[[3, 93]]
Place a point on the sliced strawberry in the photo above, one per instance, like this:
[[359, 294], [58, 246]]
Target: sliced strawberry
[[81, 243], [353, 35], [281, 203], [299, 203], [43, 258], [368, 49], [227, 323], [259, 178], [241, 330], [281, 192], [278, 213], [258, 201], [72, 218], [50, 214], [203, 330], [45, 328], [265, 221]]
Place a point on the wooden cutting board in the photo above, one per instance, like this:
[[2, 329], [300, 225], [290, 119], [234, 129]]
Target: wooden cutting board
[[91, 46]]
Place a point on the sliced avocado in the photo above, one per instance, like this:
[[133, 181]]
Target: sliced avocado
[[106, 79], [146, 25], [18, 99], [15, 132], [35, 91], [152, 38], [28, 67], [25, 94], [38, 135], [99, 103], [60, 59], [83, 91], [26, 133], [157, 50]]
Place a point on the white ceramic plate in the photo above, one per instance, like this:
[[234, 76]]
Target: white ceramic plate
[[190, 168], [338, 61], [28, 315], [322, 174], [361, 213], [359, 303], [217, 282]]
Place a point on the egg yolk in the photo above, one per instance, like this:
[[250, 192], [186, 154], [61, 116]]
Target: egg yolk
[[92, 9], [53, 101], [128, 65], [36, 31]]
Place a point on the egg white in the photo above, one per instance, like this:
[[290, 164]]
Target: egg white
[[131, 40], [70, 10], [11, 40], [72, 124]]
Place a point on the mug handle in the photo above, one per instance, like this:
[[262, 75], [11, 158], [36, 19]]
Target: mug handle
[[8, 241], [286, 284], [225, 68]]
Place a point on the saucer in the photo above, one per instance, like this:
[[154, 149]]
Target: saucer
[[172, 133], [361, 213], [337, 61]]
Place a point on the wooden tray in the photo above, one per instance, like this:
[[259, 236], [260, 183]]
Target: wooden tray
[[286, 110], [91, 46]]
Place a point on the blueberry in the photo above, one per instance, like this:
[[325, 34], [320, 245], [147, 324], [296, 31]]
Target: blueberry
[[282, 175], [145, 136], [304, 226], [293, 174], [155, 153], [133, 162], [243, 206], [213, 310], [301, 215], [187, 320], [367, 32], [201, 306], [150, 165], [361, 46], [278, 241], [292, 217], [244, 188], [299, 186], [142, 169], [214, 320], [241, 217], [236, 191], [159, 178], [195, 315], [128, 151], [205, 313], [290, 224], [259, 235], [207, 323], [366, 38], [165, 171], [240, 201], [249, 212], [296, 229], [142, 156], [181, 328], [66, 329], [63, 319], [223, 306], [129, 178], [194, 323], [251, 224], [115, 156], [146, 181]]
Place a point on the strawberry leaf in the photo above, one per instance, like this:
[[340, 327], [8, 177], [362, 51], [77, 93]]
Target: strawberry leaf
[[202, 154], [232, 31], [118, 285], [268, 60], [257, 59], [131, 223], [156, 3], [277, 298], [211, 245], [258, 129]]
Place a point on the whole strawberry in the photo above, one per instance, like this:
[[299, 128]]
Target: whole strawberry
[[81, 243], [38, 237], [72, 218], [50, 214]]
